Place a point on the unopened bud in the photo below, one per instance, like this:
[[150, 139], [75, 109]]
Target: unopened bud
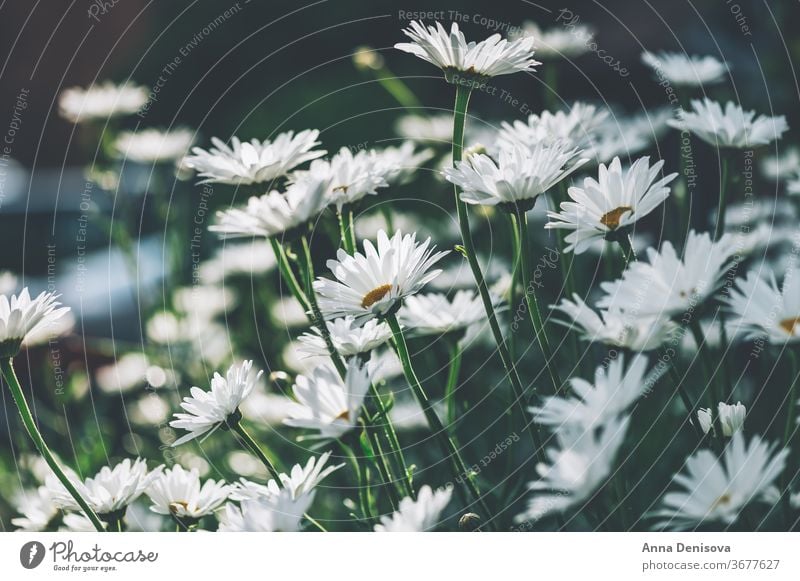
[[366, 57], [469, 522]]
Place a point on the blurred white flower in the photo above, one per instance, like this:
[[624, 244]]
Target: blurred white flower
[[436, 127], [177, 492], [251, 258], [275, 513], [453, 54], [207, 410], [288, 312], [731, 127], [575, 127], [376, 282], [718, 489], [558, 41], [416, 516], [760, 309], [22, 316], [37, 509], [301, 481], [435, 314], [8, 282], [731, 418], [326, 402], [101, 101], [783, 165], [254, 161], [154, 145], [124, 375], [348, 338], [686, 70], [400, 163], [613, 202], [204, 301]]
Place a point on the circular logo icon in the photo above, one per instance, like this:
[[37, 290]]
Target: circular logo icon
[[31, 554]]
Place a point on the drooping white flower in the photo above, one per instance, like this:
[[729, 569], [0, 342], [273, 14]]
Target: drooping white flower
[[326, 402], [579, 465], [614, 390], [521, 175], [254, 161], [37, 509], [416, 516], [301, 480], [575, 127], [21, 316], [274, 213], [760, 309], [718, 489], [731, 418], [177, 492], [435, 314], [558, 41], [611, 203], [347, 337], [616, 327], [731, 127], [110, 491], [101, 102], [686, 70], [375, 283], [207, 410], [154, 145], [668, 284], [454, 55]]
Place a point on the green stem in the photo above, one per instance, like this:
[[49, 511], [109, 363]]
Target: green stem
[[7, 367], [397, 89], [288, 275], [699, 339], [256, 450], [789, 429], [452, 386], [361, 474], [461, 473], [686, 399], [346, 231], [719, 230], [628, 252], [533, 305]]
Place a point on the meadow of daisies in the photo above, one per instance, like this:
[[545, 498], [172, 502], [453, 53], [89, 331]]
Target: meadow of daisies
[[549, 336]]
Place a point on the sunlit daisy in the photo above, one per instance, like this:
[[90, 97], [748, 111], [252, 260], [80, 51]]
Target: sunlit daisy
[[669, 285], [100, 102], [22, 315], [301, 480], [731, 127], [207, 410], [731, 418], [686, 70], [612, 203], [760, 309], [326, 402], [254, 161], [416, 516], [154, 145], [347, 337], [521, 175], [375, 283], [454, 55], [718, 489], [177, 492], [435, 314]]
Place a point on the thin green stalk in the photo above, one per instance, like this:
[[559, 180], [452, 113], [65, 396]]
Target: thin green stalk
[[699, 339], [628, 252], [719, 230], [462, 475], [452, 386], [7, 367], [459, 119], [360, 470], [251, 445], [789, 428], [397, 88], [288, 275], [533, 304], [346, 231]]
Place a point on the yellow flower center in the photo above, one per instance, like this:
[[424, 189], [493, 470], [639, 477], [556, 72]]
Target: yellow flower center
[[375, 295], [174, 507], [789, 325], [724, 499], [345, 415], [611, 219], [342, 189]]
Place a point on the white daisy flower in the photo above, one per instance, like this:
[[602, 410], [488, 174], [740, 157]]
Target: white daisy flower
[[22, 316], [520, 177], [125, 374], [686, 70], [348, 338], [783, 165], [669, 285], [177, 492], [326, 402], [579, 466], [400, 163], [435, 128], [349, 177], [761, 309], [251, 258], [76, 523], [733, 127], [731, 418], [110, 491], [612, 203], [207, 410], [616, 327], [254, 161], [37, 509], [8, 282], [576, 127], [718, 489], [274, 213], [417, 516], [275, 513], [558, 41], [613, 392], [450, 52], [435, 314], [100, 102], [376, 282], [154, 145], [301, 480]]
